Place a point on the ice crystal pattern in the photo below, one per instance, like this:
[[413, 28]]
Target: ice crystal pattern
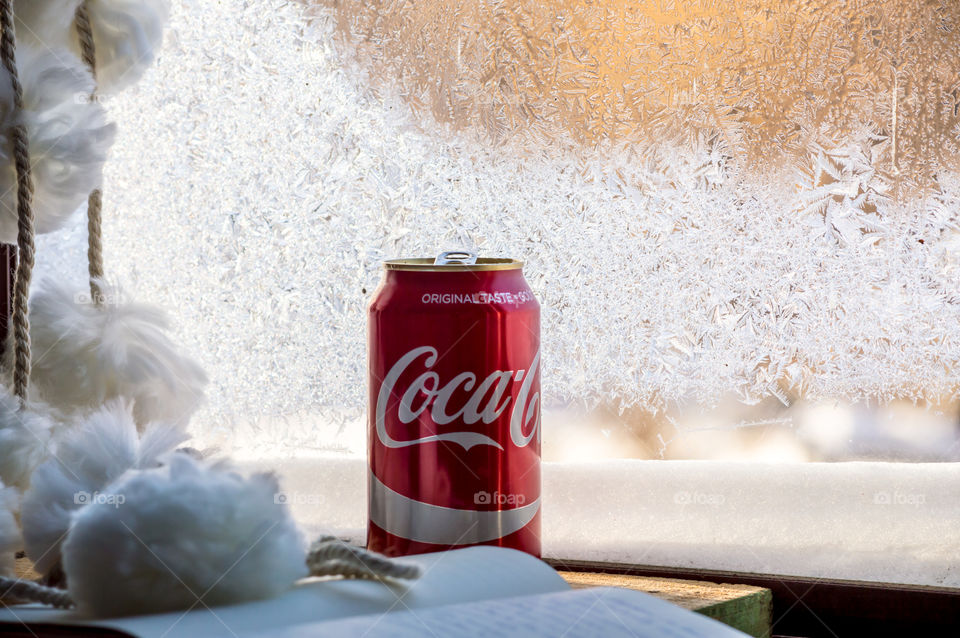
[[271, 160], [769, 79]]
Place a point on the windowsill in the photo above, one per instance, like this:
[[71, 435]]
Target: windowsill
[[883, 522]]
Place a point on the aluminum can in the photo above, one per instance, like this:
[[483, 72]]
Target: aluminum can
[[454, 418]]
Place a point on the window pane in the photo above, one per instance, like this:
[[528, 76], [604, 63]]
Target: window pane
[[740, 216]]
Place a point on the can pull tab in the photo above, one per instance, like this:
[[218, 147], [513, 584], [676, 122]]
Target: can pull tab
[[458, 257]]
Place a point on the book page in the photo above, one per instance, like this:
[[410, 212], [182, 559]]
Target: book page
[[463, 575], [603, 612]]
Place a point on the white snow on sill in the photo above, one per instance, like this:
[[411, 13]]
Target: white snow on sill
[[887, 522]]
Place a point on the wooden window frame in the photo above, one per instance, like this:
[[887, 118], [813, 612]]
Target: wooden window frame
[[821, 607]]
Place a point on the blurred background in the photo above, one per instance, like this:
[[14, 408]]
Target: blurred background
[[769, 431]]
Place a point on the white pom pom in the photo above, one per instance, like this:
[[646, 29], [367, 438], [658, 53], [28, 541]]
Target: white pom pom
[[69, 138], [89, 457], [85, 355], [26, 437], [184, 532], [9, 531], [126, 33]]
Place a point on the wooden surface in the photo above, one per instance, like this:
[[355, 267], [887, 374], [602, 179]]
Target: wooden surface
[[821, 607], [743, 607], [24, 569], [8, 269]]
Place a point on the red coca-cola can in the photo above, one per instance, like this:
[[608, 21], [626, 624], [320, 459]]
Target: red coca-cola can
[[454, 436]]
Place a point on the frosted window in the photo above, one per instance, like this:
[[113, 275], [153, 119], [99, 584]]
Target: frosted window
[[720, 203]]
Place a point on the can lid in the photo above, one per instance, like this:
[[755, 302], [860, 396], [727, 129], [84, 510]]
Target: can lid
[[453, 261], [463, 257]]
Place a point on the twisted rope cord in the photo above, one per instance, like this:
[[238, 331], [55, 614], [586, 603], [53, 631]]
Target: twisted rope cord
[[95, 201], [29, 591], [329, 556], [25, 247]]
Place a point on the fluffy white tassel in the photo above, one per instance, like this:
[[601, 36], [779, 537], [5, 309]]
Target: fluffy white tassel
[[85, 355], [9, 531], [185, 532], [127, 33], [88, 458], [26, 438], [69, 138]]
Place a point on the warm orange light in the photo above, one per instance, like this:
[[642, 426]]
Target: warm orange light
[[765, 81]]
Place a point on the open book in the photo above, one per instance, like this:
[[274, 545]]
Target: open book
[[478, 591]]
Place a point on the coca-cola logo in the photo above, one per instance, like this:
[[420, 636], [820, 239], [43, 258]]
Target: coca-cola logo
[[486, 402]]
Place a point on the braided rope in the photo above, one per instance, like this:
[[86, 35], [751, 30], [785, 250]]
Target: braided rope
[[329, 556], [95, 201], [85, 32], [29, 591], [25, 247]]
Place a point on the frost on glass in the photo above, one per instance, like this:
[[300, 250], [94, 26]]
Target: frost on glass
[[869, 83], [719, 203]]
